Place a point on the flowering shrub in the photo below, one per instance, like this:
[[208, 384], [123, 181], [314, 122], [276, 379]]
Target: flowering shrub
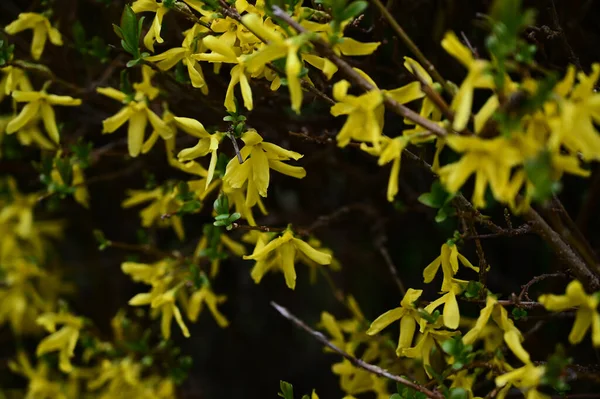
[[216, 96]]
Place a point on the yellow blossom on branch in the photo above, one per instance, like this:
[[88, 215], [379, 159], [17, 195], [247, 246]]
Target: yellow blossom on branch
[[587, 311], [39, 103], [42, 31], [137, 113], [64, 340], [259, 157], [408, 316], [280, 253], [449, 261], [159, 8], [206, 296]]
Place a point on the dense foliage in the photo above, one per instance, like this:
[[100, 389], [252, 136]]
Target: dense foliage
[[174, 170]]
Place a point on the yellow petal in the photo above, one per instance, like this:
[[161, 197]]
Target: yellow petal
[[114, 122], [385, 320], [135, 133], [287, 253], [49, 119], [408, 326], [28, 113], [317, 256]]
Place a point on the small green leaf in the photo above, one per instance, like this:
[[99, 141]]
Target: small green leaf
[[287, 390], [458, 393], [354, 9], [519, 313]]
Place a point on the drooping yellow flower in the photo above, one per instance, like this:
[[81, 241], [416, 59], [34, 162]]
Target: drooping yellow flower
[[526, 378], [64, 340], [39, 103], [42, 30], [449, 261], [81, 193], [477, 77], [224, 52], [277, 47], [153, 34], [13, 78], [391, 152], [28, 134], [137, 112], [191, 45], [451, 312], [587, 313], [512, 336], [208, 144], [163, 300], [41, 384], [365, 112], [280, 253], [491, 160], [162, 202], [408, 316], [425, 342], [206, 296], [259, 156]]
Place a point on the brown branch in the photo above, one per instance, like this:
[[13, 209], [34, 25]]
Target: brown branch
[[323, 49], [525, 288], [571, 260], [264, 229], [356, 362], [429, 67]]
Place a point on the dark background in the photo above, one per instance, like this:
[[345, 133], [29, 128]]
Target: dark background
[[248, 359]]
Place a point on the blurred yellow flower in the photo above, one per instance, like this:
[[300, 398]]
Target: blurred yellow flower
[[42, 31], [39, 103], [587, 311], [64, 340]]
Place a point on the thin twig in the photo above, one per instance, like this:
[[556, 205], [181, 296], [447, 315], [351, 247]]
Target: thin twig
[[525, 288], [412, 46], [264, 229], [356, 362]]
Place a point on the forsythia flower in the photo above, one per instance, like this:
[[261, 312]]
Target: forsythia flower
[[39, 102], [391, 152], [206, 296], [448, 260], [41, 384], [42, 30], [137, 112], [13, 78], [281, 253], [277, 47], [526, 378], [408, 316], [587, 313], [259, 156], [512, 336], [476, 78], [208, 144], [171, 57], [491, 160], [160, 10], [63, 340]]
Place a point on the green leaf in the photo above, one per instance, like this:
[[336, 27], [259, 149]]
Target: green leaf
[[354, 9], [519, 313], [458, 393], [287, 390], [473, 289], [79, 36], [103, 243]]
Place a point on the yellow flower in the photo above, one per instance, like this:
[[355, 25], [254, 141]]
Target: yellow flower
[[365, 112], [13, 78], [208, 144], [426, 341], [39, 102], [526, 378], [145, 273], [428, 107], [451, 312], [391, 152], [312, 265], [63, 340], [160, 10], [206, 296], [163, 301], [225, 52], [281, 253], [448, 259], [365, 115], [477, 77], [512, 336], [259, 156], [163, 202], [190, 46], [277, 47], [41, 384], [42, 30], [408, 316], [81, 193], [28, 134], [491, 160], [587, 313], [137, 112]]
